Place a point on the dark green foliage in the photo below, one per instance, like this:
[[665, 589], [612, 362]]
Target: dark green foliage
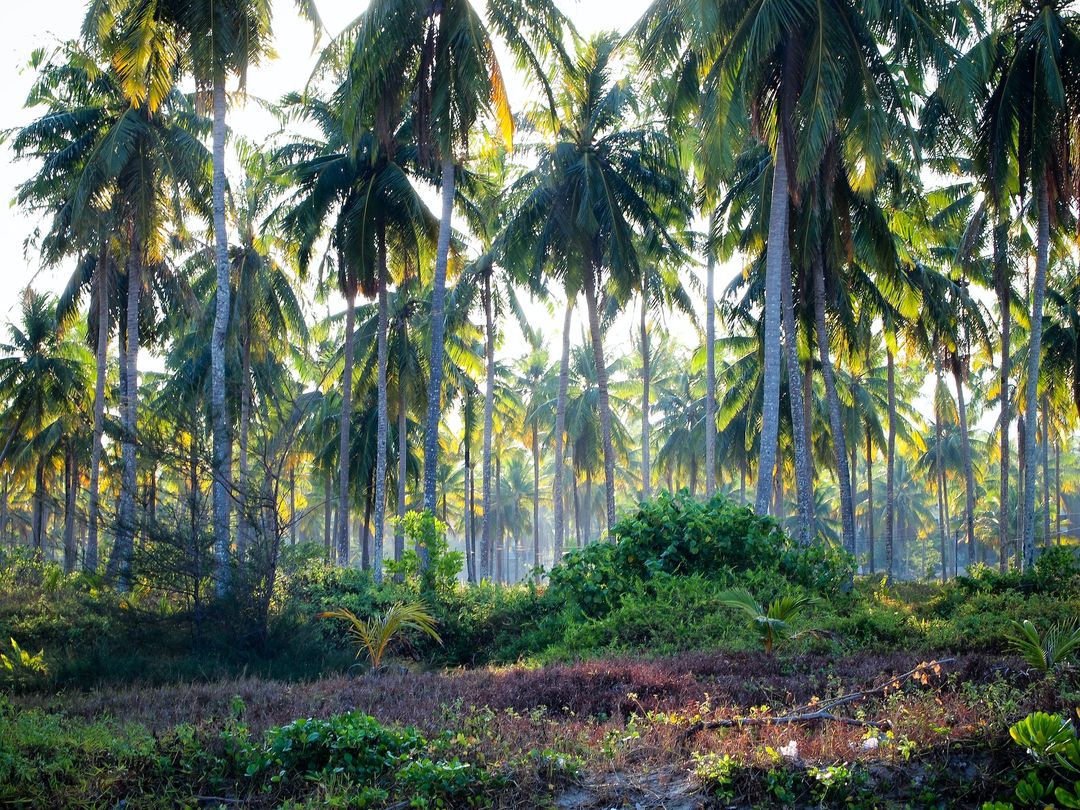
[[680, 535]]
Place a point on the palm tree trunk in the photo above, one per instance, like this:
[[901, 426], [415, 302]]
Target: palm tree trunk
[[969, 475], [486, 520], [1038, 294], [890, 469], [222, 454], [470, 495], [245, 527], [71, 488], [839, 444], [383, 418], [328, 512], [1046, 472], [438, 329], [293, 528], [101, 285], [870, 501], [1057, 491], [37, 518], [119, 567], [346, 428], [646, 382], [403, 457], [938, 468], [559, 493], [774, 271], [602, 389], [536, 494], [804, 473], [497, 540], [1001, 275], [710, 362]]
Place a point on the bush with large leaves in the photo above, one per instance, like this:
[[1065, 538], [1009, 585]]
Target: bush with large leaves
[[681, 536]]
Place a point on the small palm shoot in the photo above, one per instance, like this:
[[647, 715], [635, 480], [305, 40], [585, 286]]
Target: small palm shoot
[[774, 623], [374, 635], [1049, 650]]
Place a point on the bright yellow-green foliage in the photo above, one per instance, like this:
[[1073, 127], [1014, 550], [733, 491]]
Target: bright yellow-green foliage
[[374, 635], [772, 624]]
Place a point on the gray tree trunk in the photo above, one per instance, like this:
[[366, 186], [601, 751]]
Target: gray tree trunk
[[119, 567], [774, 260], [1038, 294], [101, 284], [383, 419], [1045, 451], [969, 475], [890, 469], [486, 524], [602, 390], [219, 413], [940, 470], [646, 382], [870, 501], [244, 526], [344, 447], [328, 513], [710, 363], [1004, 302], [403, 462], [843, 475], [438, 331], [559, 494], [804, 472], [71, 479], [536, 494]]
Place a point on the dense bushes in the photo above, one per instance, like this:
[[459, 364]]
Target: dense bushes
[[49, 760], [678, 535]]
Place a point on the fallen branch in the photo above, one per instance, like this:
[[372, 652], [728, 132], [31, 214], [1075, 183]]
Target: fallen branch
[[821, 711]]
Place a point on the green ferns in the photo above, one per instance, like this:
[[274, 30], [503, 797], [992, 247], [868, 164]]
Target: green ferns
[[1047, 651]]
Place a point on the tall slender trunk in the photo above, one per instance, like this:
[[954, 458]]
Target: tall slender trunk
[[37, 518], [938, 468], [1001, 277], [1057, 491], [774, 261], [486, 525], [383, 417], [219, 413], [559, 493], [71, 489], [839, 445], [1038, 294], [804, 473], [965, 457], [870, 501], [101, 288], [328, 512], [536, 494], [119, 567], [646, 382], [710, 363], [587, 529], [890, 469], [438, 330], [853, 466], [403, 454], [346, 428], [1045, 448], [292, 506], [470, 495], [602, 390], [245, 526], [497, 539]]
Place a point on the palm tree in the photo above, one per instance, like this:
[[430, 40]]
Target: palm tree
[[446, 48], [215, 40], [592, 198]]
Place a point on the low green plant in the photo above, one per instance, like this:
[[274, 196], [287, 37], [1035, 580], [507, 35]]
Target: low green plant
[[423, 530], [773, 624], [1046, 651], [19, 669], [1054, 747], [374, 635]]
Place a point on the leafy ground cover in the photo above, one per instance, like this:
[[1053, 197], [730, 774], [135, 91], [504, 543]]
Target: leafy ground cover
[[603, 733]]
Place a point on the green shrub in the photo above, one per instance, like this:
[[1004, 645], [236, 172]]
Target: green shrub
[[679, 535]]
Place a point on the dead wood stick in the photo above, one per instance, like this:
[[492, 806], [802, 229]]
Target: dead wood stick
[[821, 711]]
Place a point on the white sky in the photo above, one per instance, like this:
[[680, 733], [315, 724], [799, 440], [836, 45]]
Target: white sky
[[45, 23]]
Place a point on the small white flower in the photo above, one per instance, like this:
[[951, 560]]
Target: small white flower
[[790, 751]]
